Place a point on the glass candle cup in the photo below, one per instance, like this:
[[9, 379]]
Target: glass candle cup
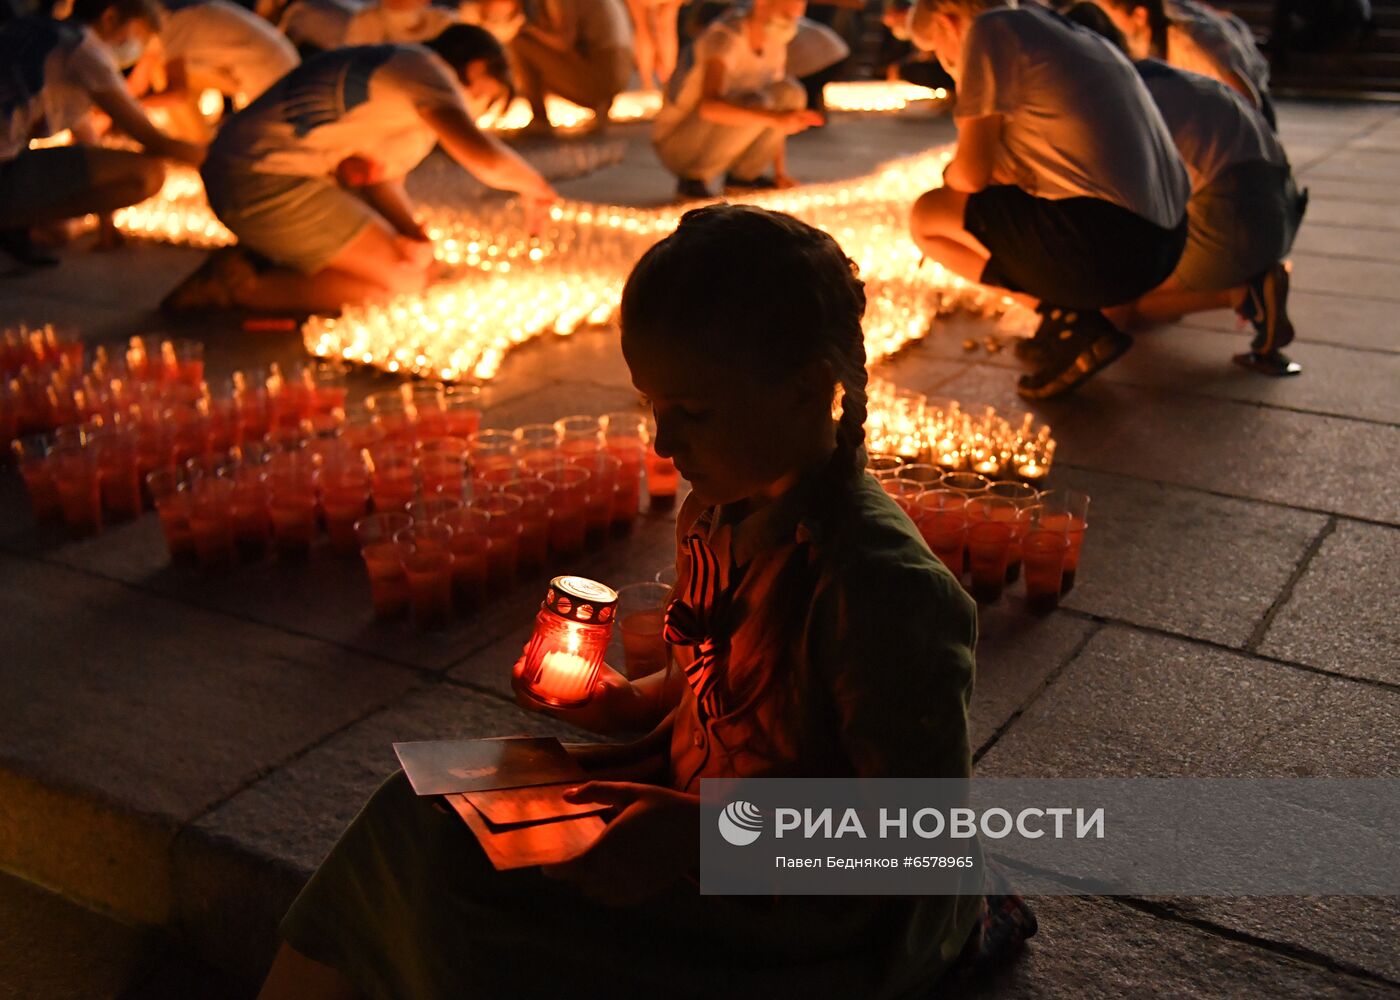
[[941, 516], [903, 492], [468, 547], [991, 527], [1044, 552], [883, 466], [170, 494], [78, 485], [536, 497], [32, 456], [600, 494], [1069, 510], [641, 613], [571, 637], [504, 528], [462, 408], [967, 483], [579, 435], [425, 553], [568, 518], [1023, 496], [387, 584]]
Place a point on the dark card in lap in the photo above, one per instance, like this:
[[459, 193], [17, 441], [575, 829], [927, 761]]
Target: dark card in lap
[[442, 767], [533, 843]]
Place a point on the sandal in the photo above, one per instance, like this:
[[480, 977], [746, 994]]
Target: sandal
[[1080, 351]]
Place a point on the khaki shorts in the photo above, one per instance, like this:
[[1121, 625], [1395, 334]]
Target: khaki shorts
[[1239, 226], [300, 222]]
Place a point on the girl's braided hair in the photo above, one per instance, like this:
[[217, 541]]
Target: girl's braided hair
[[766, 289], [776, 295]]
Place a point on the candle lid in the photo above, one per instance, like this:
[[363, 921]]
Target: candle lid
[[580, 599]]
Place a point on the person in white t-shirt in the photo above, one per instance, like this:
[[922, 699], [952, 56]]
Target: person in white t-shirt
[[1065, 189], [580, 50], [209, 45], [1197, 38], [1243, 214], [730, 108], [397, 21], [310, 175], [54, 74]]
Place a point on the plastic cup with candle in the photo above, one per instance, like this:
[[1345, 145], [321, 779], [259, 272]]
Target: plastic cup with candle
[[32, 455], [571, 636], [624, 437], [581, 434], [462, 408], [536, 443], [1070, 510], [903, 492], [884, 466], [1023, 496], [252, 524], [387, 583], [991, 526], [600, 494], [394, 414], [170, 493], [78, 484], [941, 516], [121, 483], [292, 507], [328, 389], [426, 554], [345, 494], [504, 528], [493, 456], [969, 484], [443, 474], [568, 518], [468, 546], [641, 611], [211, 520], [430, 415], [188, 356], [536, 497], [928, 476], [392, 475], [1044, 551]]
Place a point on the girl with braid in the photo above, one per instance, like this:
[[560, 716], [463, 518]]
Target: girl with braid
[[815, 636]]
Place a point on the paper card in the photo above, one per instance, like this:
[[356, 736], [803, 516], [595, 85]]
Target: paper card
[[534, 844], [441, 767], [537, 804]]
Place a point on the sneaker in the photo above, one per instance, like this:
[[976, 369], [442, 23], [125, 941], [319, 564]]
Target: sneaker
[[1276, 364], [1265, 306], [1079, 352], [19, 244], [689, 189], [738, 185]]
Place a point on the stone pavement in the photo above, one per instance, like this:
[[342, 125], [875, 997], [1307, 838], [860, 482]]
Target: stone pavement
[[178, 751]]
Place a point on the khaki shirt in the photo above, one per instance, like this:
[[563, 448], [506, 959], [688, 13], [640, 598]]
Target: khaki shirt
[[878, 655]]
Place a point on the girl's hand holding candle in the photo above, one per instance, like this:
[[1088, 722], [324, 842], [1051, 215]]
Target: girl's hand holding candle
[[614, 705]]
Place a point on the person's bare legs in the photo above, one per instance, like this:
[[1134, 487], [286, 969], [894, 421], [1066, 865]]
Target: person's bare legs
[[936, 223], [376, 265], [293, 976], [116, 178], [666, 17], [1168, 302], [644, 43]]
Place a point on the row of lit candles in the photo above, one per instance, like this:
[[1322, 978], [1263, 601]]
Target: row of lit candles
[[909, 427]]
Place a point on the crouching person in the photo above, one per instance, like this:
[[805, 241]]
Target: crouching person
[[1243, 214], [310, 176], [55, 74], [1066, 188], [730, 109]]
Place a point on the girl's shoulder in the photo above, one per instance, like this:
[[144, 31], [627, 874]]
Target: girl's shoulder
[[867, 546]]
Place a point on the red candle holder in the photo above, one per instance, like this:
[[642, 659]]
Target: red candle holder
[[571, 636]]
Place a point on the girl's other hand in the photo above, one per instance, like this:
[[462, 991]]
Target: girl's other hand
[[792, 122], [647, 847], [611, 708]]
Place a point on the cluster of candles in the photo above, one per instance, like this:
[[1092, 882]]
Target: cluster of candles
[[442, 511], [569, 274], [987, 532], [908, 426]]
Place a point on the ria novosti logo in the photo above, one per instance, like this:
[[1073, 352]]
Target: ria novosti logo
[[741, 823]]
